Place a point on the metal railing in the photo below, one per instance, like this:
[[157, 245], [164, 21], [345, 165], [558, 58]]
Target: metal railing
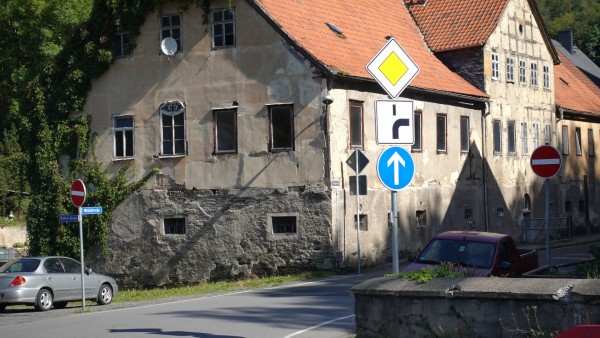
[[533, 230]]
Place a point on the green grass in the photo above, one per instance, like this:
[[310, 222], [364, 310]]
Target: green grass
[[135, 295]]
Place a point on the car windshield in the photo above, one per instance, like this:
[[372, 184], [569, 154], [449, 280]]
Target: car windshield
[[477, 254], [21, 265]]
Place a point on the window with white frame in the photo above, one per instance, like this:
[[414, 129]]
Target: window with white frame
[[578, 141], [546, 77], [535, 134], [511, 141], [495, 66], [497, 136], [522, 72], [170, 27], [172, 119], [281, 124], [591, 149], [533, 80], [510, 69], [225, 131], [418, 124], [441, 133], [565, 140], [123, 127], [524, 140], [121, 45], [223, 28], [548, 133]]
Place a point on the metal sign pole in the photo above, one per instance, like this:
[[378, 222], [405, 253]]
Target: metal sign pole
[[357, 211], [81, 256], [394, 233], [547, 184]]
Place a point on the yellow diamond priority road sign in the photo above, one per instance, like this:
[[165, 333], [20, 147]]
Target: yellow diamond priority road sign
[[393, 68]]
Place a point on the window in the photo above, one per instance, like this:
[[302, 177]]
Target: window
[[174, 226], [500, 212], [510, 69], [497, 137], [495, 66], [535, 134], [284, 224], [511, 137], [578, 141], [225, 128], [581, 206], [522, 72], [121, 45], [568, 207], [223, 28], [170, 27], [441, 133], [548, 133], [418, 122], [524, 143], [591, 142], [421, 216], [281, 122], [534, 74], [172, 119], [363, 222], [546, 77], [356, 124], [468, 213], [565, 140], [123, 134], [464, 134]]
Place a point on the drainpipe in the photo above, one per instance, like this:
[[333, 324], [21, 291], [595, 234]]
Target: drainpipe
[[486, 112]]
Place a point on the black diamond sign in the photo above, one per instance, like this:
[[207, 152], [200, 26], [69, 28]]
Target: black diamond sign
[[362, 161]]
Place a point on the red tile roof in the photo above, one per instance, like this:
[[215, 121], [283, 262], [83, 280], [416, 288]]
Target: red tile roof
[[448, 25], [364, 25], [574, 90]]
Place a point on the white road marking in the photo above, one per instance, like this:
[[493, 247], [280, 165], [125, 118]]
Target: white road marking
[[317, 326]]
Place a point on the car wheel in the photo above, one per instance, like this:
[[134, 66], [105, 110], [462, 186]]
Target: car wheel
[[105, 295], [43, 300], [60, 305]]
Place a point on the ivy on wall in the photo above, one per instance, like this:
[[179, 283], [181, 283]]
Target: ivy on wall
[[48, 133]]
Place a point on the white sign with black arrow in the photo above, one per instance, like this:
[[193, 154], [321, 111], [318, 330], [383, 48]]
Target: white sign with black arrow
[[394, 121]]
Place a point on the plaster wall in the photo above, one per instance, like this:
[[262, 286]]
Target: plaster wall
[[517, 35], [258, 72], [444, 184]]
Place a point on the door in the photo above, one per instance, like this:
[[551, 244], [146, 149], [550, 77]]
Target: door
[[60, 282]]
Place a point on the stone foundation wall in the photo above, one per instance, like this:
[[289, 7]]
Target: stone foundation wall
[[228, 235], [474, 307]]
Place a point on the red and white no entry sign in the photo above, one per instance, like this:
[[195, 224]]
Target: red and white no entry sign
[[545, 161], [77, 193]]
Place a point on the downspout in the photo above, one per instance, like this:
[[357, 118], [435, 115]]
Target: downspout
[[486, 112]]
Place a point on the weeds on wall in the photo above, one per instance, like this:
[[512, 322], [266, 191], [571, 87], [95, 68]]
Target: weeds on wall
[[424, 275], [532, 327]]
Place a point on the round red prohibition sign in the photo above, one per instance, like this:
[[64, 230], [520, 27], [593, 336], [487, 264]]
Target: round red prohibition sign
[[77, 193], [545, 161]]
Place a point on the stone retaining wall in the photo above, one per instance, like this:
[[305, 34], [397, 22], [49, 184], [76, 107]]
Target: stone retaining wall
[[474, 307]]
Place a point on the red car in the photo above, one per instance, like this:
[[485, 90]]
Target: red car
[[478, 253]]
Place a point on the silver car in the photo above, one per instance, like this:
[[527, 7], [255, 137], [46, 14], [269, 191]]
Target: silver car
[[47, 282]]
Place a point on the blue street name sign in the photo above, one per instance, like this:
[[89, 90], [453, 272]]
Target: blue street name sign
[[395, 168], [68, 218], [91, 210]]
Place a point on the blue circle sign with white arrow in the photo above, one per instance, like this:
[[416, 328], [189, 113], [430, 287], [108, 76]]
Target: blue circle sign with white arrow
[[395, 168]]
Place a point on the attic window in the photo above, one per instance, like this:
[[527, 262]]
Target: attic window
[[335, 29]]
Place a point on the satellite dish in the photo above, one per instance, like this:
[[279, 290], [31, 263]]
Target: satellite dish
[[168, 46]]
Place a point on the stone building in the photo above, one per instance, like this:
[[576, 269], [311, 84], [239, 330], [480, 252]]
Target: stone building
[[251, 118]]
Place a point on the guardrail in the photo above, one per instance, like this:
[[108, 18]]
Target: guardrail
[[533, 230]]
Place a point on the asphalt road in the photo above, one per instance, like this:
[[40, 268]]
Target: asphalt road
[[321, 308]]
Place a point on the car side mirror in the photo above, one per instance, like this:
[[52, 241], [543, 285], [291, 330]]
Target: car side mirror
[[412, 258], [504, 265], [88, 271]]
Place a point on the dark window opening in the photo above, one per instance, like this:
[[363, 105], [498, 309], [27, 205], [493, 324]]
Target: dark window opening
[[417, 146], [284, 224], [282, 128], [225, 131], [363, 222], [356, 124], [174, 226]]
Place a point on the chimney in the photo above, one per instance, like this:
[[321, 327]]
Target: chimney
[[565, 38]]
